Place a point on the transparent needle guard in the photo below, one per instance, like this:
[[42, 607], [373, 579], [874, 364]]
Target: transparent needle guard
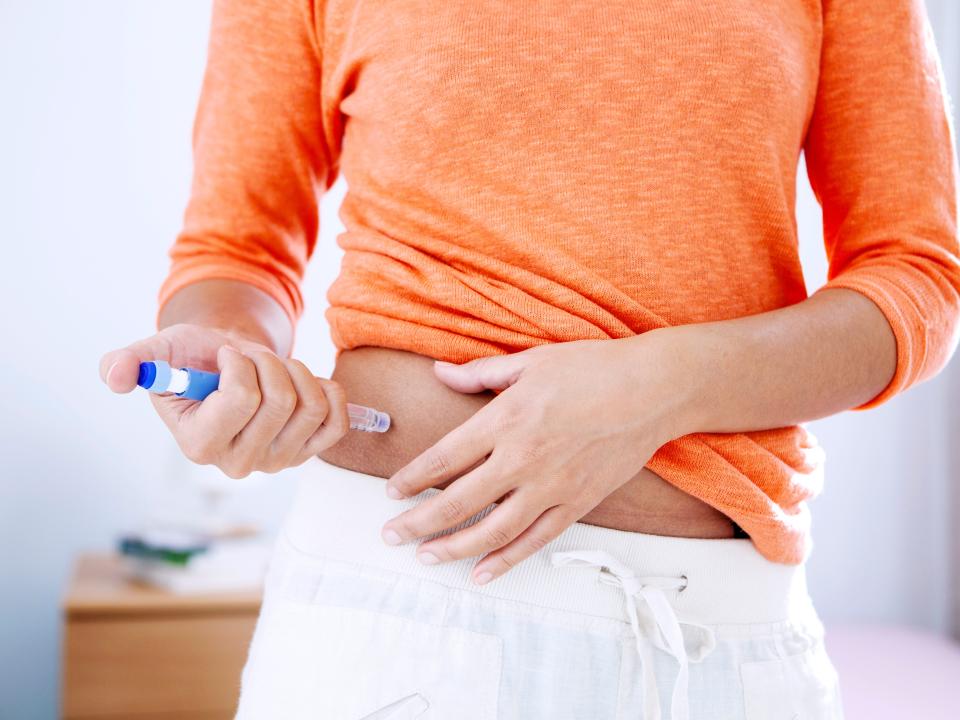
[[367, 419]]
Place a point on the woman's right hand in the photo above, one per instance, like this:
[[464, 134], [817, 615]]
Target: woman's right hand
[[268, 414]]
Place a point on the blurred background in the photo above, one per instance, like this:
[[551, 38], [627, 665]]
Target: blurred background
[[98, 99]]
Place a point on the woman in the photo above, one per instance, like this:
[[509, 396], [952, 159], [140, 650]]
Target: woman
[[595, 506]]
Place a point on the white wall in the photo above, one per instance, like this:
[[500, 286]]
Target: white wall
[[98, 100]]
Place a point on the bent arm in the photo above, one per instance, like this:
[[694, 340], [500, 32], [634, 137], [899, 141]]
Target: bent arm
[[829, 353], [263, 152], [880, 155]]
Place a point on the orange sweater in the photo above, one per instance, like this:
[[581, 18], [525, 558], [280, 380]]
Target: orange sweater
[[535, 172]]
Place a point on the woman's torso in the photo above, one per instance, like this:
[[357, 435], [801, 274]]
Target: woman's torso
[[423, 410], [520, 175]]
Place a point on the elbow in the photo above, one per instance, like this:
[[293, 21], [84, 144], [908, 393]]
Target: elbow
[[919, 295], [930, 318], [941, 320], [197, 257]]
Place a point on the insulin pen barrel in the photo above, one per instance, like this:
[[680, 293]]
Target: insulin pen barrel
[[199, 384]]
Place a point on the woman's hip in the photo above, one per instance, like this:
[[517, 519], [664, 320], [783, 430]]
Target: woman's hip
[[600, 623]]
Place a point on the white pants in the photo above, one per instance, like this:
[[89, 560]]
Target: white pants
[[600, 624]]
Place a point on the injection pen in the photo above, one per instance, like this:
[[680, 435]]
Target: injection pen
[[158, 377]]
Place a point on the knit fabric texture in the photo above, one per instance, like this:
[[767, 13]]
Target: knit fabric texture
[[522, 173]]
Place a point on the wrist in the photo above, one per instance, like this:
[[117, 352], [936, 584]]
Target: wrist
[[673, 361]]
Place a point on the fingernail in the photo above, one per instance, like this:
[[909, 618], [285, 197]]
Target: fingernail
[[391, 537], [428, 558], [483, 578], [109, 371], [444, 362], [393, 493]]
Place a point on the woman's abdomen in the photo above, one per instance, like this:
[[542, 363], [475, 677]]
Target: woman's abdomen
[[423, 410]]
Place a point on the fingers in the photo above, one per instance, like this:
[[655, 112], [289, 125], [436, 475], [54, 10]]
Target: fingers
[[204, 430], [496, 372], [278, 400], [544, 529], [515, 529], [308, 415], [298, 416], [335, 425], [453, 454], [458, 502], [319, 420], [268, 414], [502, 525]]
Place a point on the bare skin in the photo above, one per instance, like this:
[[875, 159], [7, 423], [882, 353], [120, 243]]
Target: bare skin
[[537, 448]]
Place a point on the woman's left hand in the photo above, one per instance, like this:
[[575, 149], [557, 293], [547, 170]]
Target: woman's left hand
[[574, 422]]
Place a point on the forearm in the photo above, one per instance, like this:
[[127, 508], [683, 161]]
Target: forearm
[[233, 306], [829, 353]]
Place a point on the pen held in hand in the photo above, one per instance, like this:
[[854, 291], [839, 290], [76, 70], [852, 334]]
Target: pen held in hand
[[158, 376]]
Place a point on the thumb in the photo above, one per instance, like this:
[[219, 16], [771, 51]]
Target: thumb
[[119, 369], [495, 372]]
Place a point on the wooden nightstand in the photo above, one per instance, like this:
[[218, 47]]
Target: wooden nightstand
[[139, 653]]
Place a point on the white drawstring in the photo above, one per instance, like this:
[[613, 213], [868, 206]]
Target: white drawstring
[[665, 632]]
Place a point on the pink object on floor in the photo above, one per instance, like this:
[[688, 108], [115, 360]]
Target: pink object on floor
[[895, 673]]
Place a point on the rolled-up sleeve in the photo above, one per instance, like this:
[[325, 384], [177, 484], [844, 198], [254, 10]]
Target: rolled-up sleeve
[[261, 154], [881, 158]]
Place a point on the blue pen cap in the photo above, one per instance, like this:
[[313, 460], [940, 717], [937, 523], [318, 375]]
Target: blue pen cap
[[147, 374]]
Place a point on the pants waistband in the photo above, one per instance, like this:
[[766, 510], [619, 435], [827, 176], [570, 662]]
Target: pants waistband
[[338, 514]]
